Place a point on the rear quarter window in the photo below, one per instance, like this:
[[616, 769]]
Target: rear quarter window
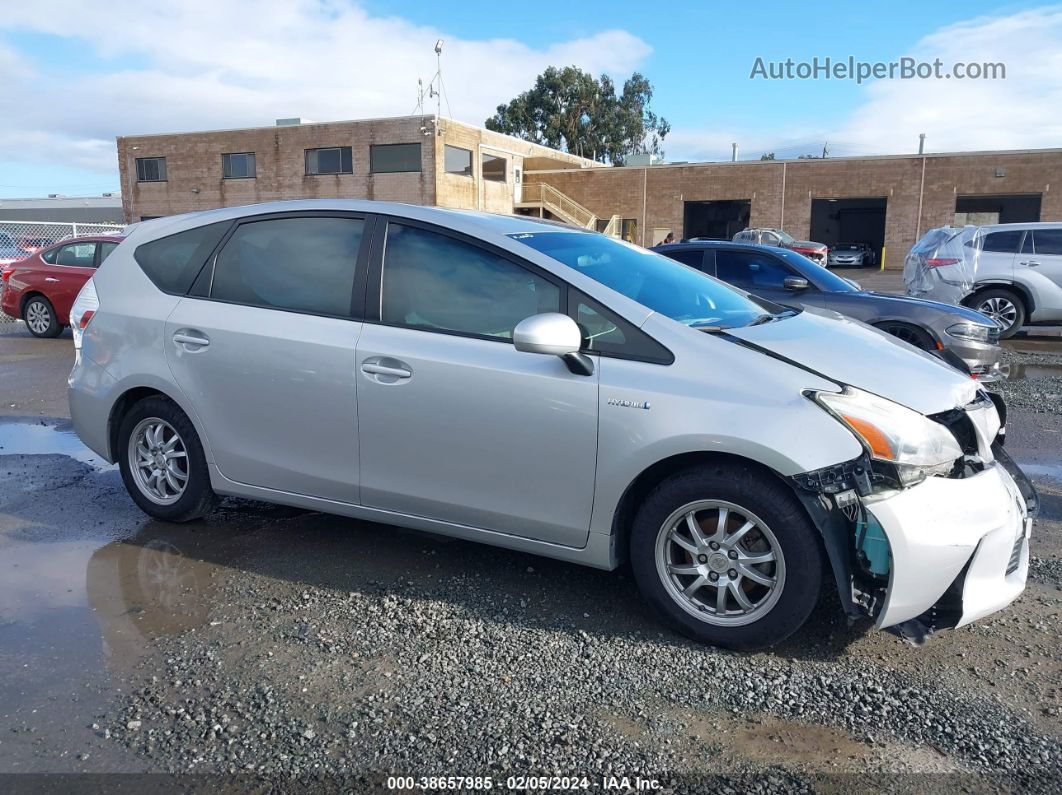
[[173, 262]]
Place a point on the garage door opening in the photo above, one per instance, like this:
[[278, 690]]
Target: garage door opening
[[836, 221], [1013, 208], [716, 220]]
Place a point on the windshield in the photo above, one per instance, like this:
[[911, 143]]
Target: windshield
[[786, 238], [661, 284]]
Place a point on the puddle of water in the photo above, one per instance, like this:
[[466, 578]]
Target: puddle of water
[[35, 439], [1052, 471], [1021, 372]]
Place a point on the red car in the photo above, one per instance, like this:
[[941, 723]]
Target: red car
[[41, 288]]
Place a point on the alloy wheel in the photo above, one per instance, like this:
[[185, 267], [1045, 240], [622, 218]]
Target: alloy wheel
[[38, 317], [158, 460], [1000, 310], [720, 563]]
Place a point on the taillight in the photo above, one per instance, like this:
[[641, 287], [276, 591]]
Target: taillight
[[82, 312], [5, 274], [939, 262]]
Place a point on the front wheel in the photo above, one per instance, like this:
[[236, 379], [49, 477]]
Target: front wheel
[[727, 556], [162, 462], [909, 334]]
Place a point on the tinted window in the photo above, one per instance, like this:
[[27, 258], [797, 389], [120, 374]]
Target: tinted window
[[656, 282], [750, 270], [105, 249], [1047, 241], [1006, 242], [151, 169], [435, 282], [335, 160], [49, 256], [458, 160], [822, 278], [607, 333], [494, 168], [238, 166], [173, 262], [77, 255], [389, 158], [694, 257], [299, 264]]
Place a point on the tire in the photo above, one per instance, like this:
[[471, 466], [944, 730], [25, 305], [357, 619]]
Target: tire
[[184, 493], [749, 498], [909, 334], [1004, 306], [39, 317]]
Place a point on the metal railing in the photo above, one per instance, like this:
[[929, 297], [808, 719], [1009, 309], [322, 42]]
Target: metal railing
[[560, 205], [614, 226], [21, 239]]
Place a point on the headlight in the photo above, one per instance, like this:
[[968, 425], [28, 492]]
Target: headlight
[[974, 331], [892, 433]]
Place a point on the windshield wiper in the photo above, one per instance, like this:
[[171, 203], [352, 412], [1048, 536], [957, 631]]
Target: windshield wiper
[[761, 319]]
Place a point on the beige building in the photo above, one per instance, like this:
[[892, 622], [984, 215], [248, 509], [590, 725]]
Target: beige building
[[415, 159], [886, 201]]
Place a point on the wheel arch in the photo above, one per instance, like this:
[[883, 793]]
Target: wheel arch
[[1023, 292], [655, 474], [133, 395], [27, 296], [880, 322]]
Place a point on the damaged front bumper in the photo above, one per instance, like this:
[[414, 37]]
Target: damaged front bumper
[[959, 548]]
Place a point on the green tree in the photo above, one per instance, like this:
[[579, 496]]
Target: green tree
[[571, 110], [768, 156]]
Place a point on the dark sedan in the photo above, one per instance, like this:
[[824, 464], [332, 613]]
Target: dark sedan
[[788, 278]]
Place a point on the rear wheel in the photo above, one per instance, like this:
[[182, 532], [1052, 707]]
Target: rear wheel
[[162, 462], [1003, 306], [40, 319], [909, 334], [727, 556]]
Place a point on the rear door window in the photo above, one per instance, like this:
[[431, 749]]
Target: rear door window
[[1003, 242], [106, 247], [172, 262], [77, 255], [299, 264]]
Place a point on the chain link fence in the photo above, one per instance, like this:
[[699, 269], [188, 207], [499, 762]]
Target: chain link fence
[[21, 239]]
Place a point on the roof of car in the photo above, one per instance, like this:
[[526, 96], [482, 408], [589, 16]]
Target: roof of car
[[716, 244], [470, 221], [87, 239]]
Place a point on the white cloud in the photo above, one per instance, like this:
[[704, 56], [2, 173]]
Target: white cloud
[[1022, 111], [206, 64]]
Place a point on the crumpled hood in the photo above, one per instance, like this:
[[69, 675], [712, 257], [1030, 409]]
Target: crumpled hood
[[853, 353], [809, 244]]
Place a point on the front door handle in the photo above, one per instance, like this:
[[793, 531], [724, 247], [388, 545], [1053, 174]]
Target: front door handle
[[1031, 263], [385, 370], [379, 369], [185, 338]]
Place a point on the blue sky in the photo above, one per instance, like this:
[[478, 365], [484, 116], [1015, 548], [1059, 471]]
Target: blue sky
[[78, 77]]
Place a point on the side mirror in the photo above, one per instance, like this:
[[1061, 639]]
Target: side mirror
[[795, 283], [555, 334]]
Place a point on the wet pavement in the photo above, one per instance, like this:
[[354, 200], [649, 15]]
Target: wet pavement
[[98, 603]]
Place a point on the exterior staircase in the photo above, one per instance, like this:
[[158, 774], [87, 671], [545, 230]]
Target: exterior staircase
[[545, 198]]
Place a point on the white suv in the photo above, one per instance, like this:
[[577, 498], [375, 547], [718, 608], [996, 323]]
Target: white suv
[[1010, 272]]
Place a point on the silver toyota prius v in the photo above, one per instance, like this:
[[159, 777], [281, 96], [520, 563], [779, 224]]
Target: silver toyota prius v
[[555, 391]]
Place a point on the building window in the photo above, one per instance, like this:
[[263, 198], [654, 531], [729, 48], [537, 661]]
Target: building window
[[458, 160], [239, 165], [392, 158], [494, 168], [334, 160], [151, 169]]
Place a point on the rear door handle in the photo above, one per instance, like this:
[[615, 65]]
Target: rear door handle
[[50, 279], [1031, 263], [184, 338]]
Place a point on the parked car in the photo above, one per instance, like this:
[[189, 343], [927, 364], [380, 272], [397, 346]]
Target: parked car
[[41, 289], [1010, 272], [9, 251], [816, 252], [964, 337], [852, 255], [556, 391]]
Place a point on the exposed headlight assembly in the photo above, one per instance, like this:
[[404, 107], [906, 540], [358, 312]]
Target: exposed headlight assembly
[[974, 331], [914, 445]]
